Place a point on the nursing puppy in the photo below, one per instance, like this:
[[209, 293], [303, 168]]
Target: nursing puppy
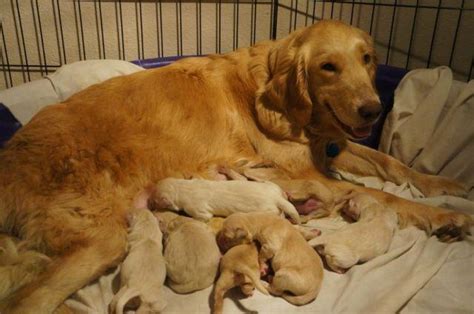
[[18, 266], [298, 269], [239, 267], [143, 271], [190, 251], [203, 199], [311, 198], [362, 241]]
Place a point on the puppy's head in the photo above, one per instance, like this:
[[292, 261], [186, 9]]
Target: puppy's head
[[321, 78], [362, 206], [233, 232]]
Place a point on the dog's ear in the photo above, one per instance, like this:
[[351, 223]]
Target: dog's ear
[[373, 55], [241, 234], [284, 106]]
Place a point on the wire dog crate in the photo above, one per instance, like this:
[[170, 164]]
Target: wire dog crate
[[38, 36]]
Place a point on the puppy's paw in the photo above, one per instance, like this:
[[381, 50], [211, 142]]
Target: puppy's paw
[[451, 226], [351, 211], [247, 289], [264, 269]]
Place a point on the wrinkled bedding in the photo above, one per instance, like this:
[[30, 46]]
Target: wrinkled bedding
[[430, 129]]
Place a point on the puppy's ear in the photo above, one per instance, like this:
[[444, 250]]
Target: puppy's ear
[[284, 106], [241, 234]]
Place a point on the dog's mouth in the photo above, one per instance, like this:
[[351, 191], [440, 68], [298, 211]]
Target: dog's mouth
[[356, 133]]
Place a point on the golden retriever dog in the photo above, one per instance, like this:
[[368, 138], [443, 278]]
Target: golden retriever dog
[[143, 271], [298, 268], [362, 241], [191, 252], [204, 199], [239, 267], [68, 177]]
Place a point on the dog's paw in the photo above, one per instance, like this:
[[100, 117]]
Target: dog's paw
[[436, 185], [451, 226]]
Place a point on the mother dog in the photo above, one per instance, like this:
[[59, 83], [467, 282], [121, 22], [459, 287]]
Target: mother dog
[[69, 176]]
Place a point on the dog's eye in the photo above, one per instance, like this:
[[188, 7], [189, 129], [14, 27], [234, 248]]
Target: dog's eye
[[367, 58], [328, 67]]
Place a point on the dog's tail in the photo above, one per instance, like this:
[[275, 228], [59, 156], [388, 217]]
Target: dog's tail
[[121, 299], [247, 271], [289, 210], [18, 268]]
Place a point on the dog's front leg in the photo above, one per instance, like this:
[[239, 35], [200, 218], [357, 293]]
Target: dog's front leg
[[364, 161], [446, 224]]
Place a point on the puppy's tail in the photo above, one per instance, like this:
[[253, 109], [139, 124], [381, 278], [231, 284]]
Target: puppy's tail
[[290, 211], [247, 271], [121, 299]]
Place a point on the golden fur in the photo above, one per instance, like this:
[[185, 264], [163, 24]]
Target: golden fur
[[68, 177]]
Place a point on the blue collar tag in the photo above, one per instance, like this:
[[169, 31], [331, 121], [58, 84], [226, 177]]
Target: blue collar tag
[[332, 150]]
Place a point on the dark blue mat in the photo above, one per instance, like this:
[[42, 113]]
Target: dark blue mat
[[8, 124]]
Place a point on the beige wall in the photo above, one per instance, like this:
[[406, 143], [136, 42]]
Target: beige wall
[[73, 38]]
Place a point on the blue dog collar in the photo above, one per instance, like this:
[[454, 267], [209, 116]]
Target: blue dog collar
[[332, 150]]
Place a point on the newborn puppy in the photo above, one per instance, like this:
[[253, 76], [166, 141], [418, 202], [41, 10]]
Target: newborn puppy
[[191, 252], [361, 241], [18, 266], [143, 271], [203, 199], [298, 269], [239, 267], [310, 197]]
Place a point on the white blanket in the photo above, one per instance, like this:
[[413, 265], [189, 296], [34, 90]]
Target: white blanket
[[431, 126], [430, 129]]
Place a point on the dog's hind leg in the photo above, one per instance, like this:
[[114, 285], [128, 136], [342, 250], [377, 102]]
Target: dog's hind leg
[[71, 270]]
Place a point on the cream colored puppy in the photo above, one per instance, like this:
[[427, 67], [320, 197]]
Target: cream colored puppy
[[203, 199], [362, 241], [191, 252], [143, 271], [298, 269], [18, 266], [239, 267]]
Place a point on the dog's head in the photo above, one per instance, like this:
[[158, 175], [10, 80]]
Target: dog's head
[[233, 232], [321, 78]]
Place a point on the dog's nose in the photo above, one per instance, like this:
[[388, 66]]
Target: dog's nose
[[370, 111]]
